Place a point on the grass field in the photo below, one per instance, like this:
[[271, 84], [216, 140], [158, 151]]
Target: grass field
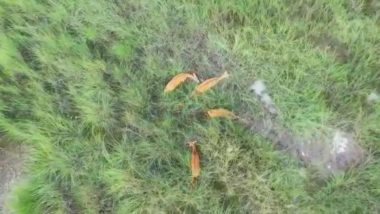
[[82, 85]]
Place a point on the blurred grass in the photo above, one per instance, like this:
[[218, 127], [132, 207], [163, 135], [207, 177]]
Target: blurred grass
[[82, 81]]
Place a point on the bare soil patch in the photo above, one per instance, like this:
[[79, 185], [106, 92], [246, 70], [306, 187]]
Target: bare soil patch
[[12, 159]]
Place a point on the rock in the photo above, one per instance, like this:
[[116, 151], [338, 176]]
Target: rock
[[333, 154], [373, 97]]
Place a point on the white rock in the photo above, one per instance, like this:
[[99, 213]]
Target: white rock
[[340, 143], [373, 97], [267, 100], [268, 103], [258, 87]]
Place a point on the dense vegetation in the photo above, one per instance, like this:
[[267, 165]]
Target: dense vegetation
[[82, 85]]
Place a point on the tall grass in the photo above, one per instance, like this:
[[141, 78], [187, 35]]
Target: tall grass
[[82, 84]]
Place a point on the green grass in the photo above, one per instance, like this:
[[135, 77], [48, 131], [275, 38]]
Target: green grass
[[82, 84]]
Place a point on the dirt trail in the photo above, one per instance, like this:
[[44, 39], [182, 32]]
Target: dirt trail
[[12, 159]]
